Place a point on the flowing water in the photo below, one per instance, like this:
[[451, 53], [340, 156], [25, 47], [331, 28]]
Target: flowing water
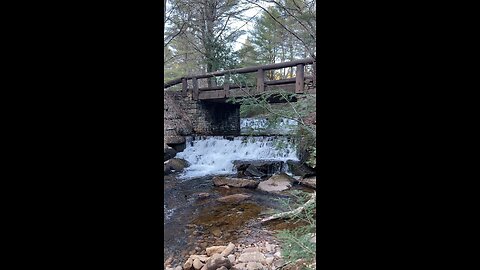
[[195, 220]]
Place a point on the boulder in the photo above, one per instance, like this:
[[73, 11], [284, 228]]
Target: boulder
[[309, 182], [276, 183], [257, 168], [175, 164], [217, 261], [168, 152], [300, 169], [235, 198], [234, 182]]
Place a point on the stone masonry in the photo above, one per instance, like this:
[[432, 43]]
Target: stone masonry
[[184, 116]]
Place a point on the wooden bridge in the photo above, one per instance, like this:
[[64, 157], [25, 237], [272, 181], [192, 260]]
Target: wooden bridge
[[296, 85]]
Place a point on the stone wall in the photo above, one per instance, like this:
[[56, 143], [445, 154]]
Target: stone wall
[[184, 116]]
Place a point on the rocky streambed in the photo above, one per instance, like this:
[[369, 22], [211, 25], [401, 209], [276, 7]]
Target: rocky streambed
[[218, 211]]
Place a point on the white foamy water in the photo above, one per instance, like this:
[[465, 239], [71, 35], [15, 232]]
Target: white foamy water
[[215, 155]]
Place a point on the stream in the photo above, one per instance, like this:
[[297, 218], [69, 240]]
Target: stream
[[194, 219]]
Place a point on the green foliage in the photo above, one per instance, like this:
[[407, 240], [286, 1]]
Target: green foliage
[[296, 243]]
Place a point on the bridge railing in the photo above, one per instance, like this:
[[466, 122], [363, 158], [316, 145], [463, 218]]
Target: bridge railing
[[299, 80]]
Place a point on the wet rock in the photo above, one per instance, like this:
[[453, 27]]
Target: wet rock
[[217, 261], [202, 195], [253, 171], [252, 257], [230, 247], [175, 164], [168, 152], [300, 169], [309, 182], [257, 168], [235, 198], [197, 264], [276, 183], [235, 182], [215, 250]]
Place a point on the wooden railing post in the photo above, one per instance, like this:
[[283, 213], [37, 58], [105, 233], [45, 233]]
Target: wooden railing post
[[226, 84], [195, 88], [260, 81], [184, 85], [300, 79]]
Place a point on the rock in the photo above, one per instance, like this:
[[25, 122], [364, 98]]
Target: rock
[[175, 139], [168, 152], [202, 258], [254, 266], [300, 169], [250, 249], [222, 268], [178, 268], [215, 249], [231, 257], [197, 264], [175, 164], [234, 182], [202, 195], [235, 198], [217, 232], [257, 168], [279, 263], [252, 257], [240, 266], [276, 183], [309, 182], [230, 247], [269, 260], [253, 171], [217, 261], [168, 261], [188, 264], [225, 186]]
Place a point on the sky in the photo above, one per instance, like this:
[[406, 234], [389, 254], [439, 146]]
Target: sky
[[249, 26]]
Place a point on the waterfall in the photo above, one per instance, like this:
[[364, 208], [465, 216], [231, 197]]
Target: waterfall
[[214, 155], [263, 126]]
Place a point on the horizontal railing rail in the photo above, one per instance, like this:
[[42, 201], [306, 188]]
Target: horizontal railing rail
[[298, 80]]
